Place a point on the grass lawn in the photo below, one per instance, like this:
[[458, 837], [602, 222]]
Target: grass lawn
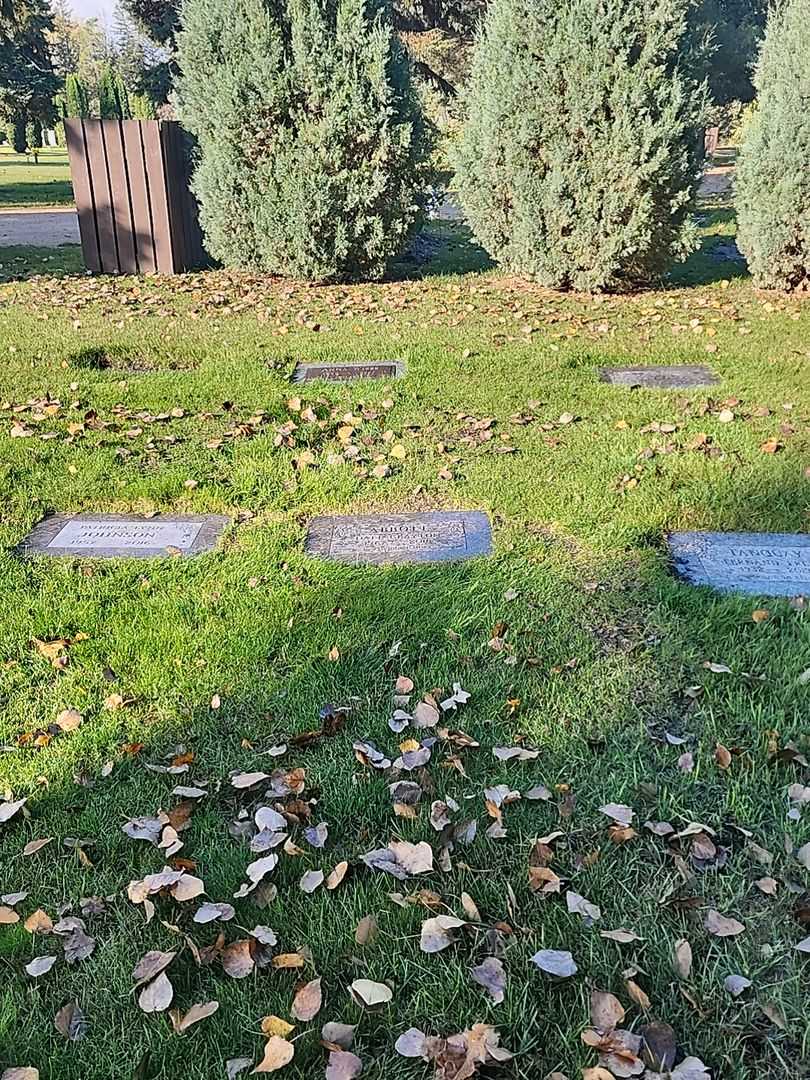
[[127, 395], [24, 183]]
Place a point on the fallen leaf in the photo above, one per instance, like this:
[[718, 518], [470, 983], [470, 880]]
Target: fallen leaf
[[555, 962], [182, 1023], [622, 936], [311, 881], [68, 720], [491, 975], [658, 1045], [156, 996], [607, 1012], [150, 966], [337, 875], [277, 1053], [307, 1002], [370, 994], [367, 930], [274, 1025], [38, 922], [338, 1036], [9, 809], [580, 906], [343, 1065], [412, 1044], [8, 916], [246, 780], [17, 1072], [722, 926], [237, 959], [40, 965], [71, 1022], [33, 846], [621, 814], [437, 933], [774, 1013], [735, 984], [682, 958]]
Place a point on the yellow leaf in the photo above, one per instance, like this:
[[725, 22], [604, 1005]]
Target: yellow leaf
[[274, 1025]]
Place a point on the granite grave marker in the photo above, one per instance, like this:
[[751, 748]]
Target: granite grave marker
[[434, 536], [761, 564], [673, 377], [118, 536], [388, 369]]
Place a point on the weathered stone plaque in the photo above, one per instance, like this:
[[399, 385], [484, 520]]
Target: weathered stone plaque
[[389, 369], [435, 536], [763, 564], [674, 377], [116, 536]]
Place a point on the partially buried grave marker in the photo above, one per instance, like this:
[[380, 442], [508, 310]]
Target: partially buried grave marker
[[766, 564], [674, 377], [435, 536], [110, 536], [389, 369]]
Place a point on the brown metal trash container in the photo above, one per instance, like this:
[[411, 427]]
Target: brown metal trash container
[[137, 214]]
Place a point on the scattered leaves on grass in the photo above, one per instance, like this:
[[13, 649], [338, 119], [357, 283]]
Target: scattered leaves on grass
[[437, 933], [157, 995]]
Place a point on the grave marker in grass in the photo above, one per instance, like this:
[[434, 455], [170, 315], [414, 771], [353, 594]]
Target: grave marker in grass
[[670, 377], [118, 536], [339, 373], [430, 537], [766, 564]]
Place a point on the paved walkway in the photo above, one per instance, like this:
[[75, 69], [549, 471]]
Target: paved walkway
[[39, 228]]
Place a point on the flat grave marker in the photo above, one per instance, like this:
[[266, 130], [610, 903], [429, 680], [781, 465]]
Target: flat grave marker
[[339, 373], [430, 537], [760, 564], [119, 536], [671, 377]]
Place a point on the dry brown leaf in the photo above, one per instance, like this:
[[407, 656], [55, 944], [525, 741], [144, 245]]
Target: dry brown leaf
[[491, 975], [237, 959], [150, 966], [308, 1001], [721, 925], [682, 958], [437, 933], [607, 1012], [8, 916], [722, 756], [33, 846], [17, 1072], [367, 930], [285, 961], [277, 1053], [38, 922], [638, 995], [68, 720], [71, 1022], [337, 875], [182, 1023]]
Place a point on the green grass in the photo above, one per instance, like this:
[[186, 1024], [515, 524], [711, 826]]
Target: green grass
[[603, 646], [24, 183]]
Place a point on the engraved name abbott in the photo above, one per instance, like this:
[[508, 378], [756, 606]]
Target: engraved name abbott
[[433, 536]]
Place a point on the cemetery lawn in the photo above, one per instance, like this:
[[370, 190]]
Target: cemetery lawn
[[24, 183], [142, 396]]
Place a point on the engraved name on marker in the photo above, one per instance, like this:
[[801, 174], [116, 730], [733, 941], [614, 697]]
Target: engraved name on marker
[[393, 369]]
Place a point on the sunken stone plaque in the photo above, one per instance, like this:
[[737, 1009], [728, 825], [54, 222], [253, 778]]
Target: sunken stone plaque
[[115, 536], [763, 564], [676, 377], [389, 369], [435, 536]]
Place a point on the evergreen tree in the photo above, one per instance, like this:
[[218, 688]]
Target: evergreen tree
[[142, 106], [773, 174], [312, 147], [113, 100], [582, 148], [28, 83], [75, 99]]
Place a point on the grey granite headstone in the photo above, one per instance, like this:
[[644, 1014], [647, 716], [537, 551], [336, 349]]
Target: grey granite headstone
[[674, 377], [388, 369], [116, 536], [762, 564], [434, 536]]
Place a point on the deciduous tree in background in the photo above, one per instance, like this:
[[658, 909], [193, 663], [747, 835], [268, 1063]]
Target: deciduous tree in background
[[312, 146], [582, 149], [773, 175]]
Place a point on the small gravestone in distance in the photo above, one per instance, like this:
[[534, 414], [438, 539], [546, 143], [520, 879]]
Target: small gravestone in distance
[[674, 377], [117, 536], [431, 537], [762, 564], [389, 369]]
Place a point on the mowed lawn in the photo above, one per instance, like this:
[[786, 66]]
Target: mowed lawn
[[24, 182], [573, 638]]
